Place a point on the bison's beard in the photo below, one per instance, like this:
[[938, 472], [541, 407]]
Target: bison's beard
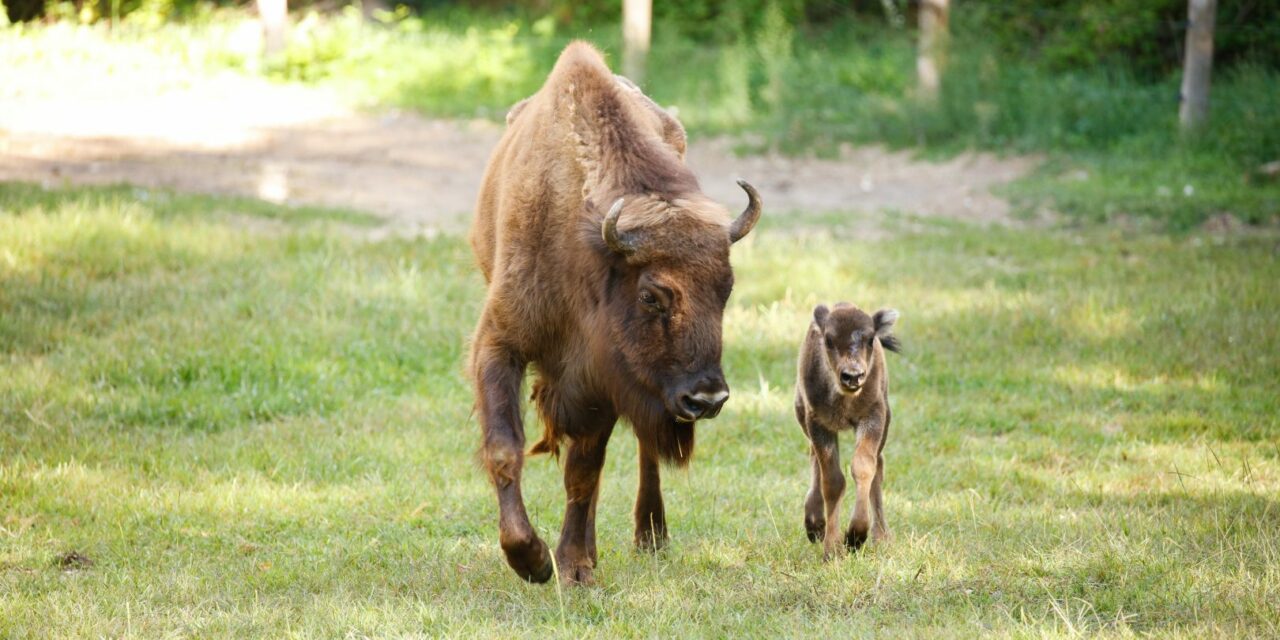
[[657, 429], [675, 442]]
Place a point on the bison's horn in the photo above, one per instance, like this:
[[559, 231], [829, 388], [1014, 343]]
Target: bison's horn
[[743, 225], [609, 229]]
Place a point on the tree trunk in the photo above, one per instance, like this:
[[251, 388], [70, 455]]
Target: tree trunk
[[1198, 66], [637, 17], [274, 16], [931, 56]]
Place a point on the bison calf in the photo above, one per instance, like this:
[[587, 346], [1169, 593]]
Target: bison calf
[[842, 384]]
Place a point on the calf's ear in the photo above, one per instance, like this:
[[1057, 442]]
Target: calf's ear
[[884, 320], [820, 314]]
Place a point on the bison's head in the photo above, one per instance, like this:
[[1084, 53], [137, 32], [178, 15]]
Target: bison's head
[[849, 338], [669, 279]]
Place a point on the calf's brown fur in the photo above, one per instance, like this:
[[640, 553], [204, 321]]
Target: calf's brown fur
[[842, 384], [608, 272]]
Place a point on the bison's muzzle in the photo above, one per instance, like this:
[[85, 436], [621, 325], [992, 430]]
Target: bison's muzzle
[[701, 400]]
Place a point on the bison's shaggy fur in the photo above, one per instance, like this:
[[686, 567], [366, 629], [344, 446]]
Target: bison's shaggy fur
[[608, 272]]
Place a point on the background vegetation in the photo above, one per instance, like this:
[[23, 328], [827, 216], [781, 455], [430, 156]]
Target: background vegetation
[[1094, 85]]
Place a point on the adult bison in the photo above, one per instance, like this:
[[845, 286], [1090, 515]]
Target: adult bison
[[608, 271]]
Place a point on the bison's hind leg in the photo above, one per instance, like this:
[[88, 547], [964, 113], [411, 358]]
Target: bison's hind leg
[[650, 513]]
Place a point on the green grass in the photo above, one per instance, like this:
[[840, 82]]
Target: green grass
[[268, 435]]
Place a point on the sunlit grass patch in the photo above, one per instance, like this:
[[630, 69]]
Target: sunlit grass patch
[[258, 434]]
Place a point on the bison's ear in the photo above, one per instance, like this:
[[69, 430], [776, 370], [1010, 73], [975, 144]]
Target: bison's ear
[[820, 314], [884, 320]]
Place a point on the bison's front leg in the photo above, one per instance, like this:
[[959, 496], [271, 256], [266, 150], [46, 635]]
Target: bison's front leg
[[576, 553], [497, 373], [651, 521]]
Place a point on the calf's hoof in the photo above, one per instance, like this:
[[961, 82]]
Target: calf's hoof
[[813, 529], [854, 539], [831, 552], [529, 558]]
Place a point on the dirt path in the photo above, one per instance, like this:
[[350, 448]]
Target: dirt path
[[235, 135]]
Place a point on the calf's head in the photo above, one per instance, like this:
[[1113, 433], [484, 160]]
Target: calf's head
[[849, 337], [669, 280]]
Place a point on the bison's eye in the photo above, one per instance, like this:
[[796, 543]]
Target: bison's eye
[[650, 301], [831, 344]]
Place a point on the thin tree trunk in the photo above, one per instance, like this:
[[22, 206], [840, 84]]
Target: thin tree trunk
[[931, 56], [1198, 65], [637, 17], [274, 16]]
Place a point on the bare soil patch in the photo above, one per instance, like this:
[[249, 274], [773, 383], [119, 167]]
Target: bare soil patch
[[289, 144]]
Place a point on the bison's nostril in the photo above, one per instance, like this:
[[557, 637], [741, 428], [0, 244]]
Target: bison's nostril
[[694, 405], [717, 399], [703, 405], [847, 377]]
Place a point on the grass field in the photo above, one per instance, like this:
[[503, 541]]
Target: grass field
[[267, 434]]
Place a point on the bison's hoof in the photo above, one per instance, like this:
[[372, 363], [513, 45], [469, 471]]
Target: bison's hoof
[[813, 529], [651, 541], [580, 575], [854, 539], [530, 559], [575, 565]]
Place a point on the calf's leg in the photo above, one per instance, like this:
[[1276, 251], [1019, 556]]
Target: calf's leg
[[866, 457], [814, 521], [879, 528], [826, 446]]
